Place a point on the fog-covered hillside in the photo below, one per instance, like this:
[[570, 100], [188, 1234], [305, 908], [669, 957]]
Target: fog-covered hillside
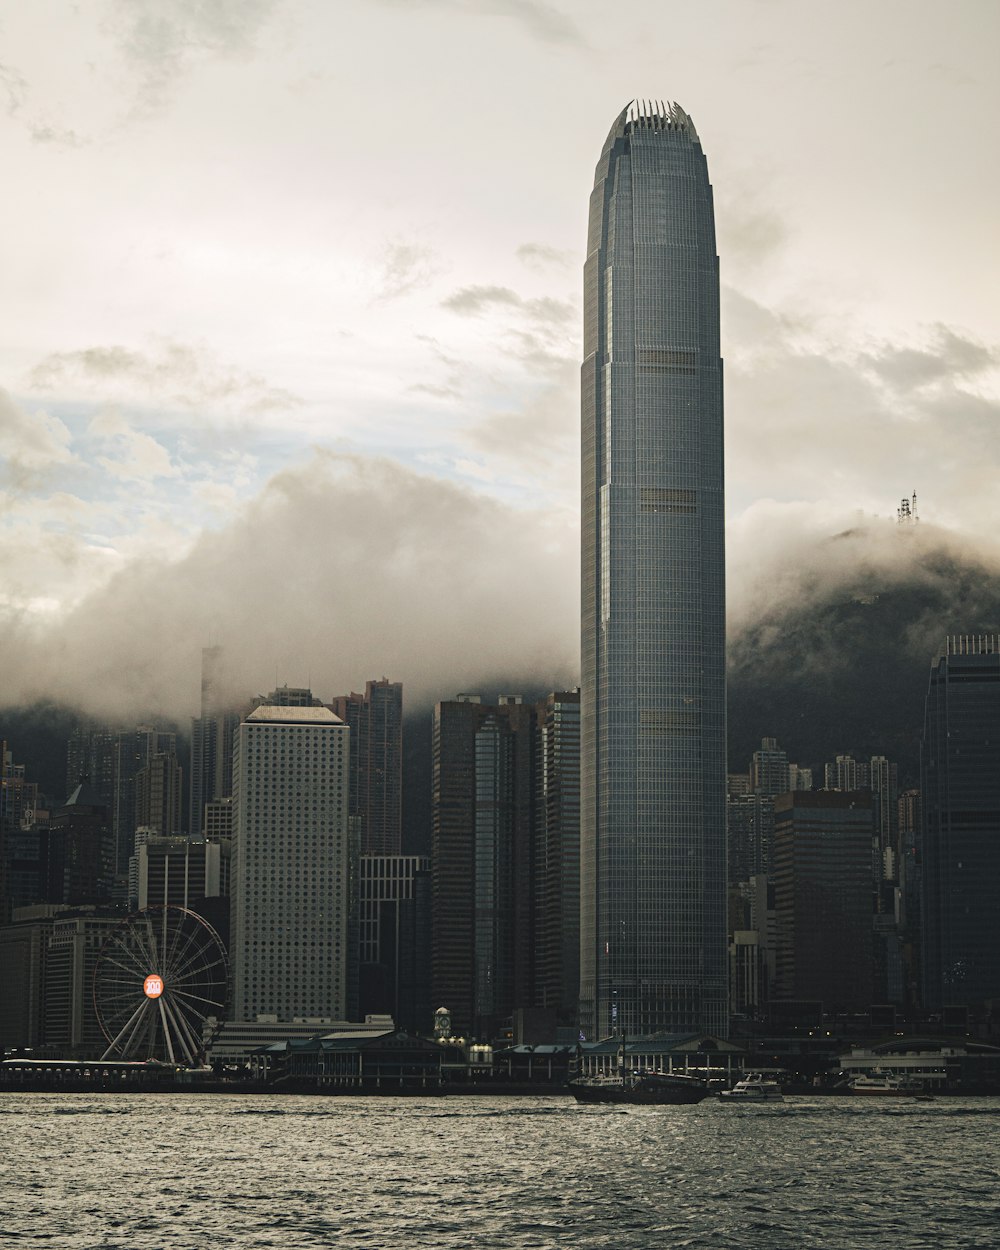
[[837, 658]]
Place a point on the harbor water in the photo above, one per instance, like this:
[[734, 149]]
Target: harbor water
[[189, 1172]]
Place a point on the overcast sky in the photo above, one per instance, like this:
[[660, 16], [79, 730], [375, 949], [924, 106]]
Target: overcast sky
[[290, 310]]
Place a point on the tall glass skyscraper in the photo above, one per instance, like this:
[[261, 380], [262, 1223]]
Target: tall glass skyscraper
[[653, 714], [960, 841]]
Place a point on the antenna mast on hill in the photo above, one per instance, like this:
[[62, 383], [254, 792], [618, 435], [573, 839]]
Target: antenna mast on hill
[[906, 513]]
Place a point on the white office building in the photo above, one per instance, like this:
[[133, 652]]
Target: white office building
[[290, 864]]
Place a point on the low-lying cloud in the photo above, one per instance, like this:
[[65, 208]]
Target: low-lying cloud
[[342, 569]]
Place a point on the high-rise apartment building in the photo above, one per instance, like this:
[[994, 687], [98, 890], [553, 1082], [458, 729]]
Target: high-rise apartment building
[[376, 723], [884, 785], [846, 773], [960, 833], [653, 710], [769, 769], [291, 864]]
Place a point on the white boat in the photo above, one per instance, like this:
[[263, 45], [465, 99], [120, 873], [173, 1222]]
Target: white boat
[[754, 1087], [886, 1083]]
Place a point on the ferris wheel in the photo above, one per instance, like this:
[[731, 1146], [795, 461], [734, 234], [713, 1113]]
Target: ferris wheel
[[160, 973]]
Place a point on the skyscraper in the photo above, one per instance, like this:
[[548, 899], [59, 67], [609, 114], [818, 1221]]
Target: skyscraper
[[556, 860], [653, 822], [376, 723], [133, 751], [212, 735], [481, 800], [960, 835], [769, 769], [290, 864], [822, 864], [394, 939], [505, 863]]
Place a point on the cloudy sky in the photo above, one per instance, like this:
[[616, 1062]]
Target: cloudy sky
[[291, 316]]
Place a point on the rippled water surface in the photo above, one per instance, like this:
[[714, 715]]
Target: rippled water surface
[[175, 1172]]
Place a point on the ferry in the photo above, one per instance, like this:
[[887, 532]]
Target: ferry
[[886, 1083], [641, 1088]]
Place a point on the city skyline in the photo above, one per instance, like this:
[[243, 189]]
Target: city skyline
[[227, 345]]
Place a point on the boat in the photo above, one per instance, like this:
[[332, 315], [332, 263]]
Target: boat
[[886, 1084], [640, 1088], [755, 1087]]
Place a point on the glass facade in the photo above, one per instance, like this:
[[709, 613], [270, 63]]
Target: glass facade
[[653, 763], [960, 840]]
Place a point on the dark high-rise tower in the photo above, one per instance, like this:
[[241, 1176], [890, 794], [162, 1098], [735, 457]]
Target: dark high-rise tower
[[505, 864], [653, 820], [376, 723], [212, 737], [960, 838], [481, 937]]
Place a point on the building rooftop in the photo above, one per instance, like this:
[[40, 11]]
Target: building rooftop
[[270, 714], [659, 115]]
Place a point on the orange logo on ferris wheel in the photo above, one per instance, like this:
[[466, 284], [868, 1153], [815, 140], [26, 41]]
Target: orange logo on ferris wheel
[[152, 987]]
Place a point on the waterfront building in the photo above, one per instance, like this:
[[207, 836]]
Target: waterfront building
[[653, 702], [556, 868], [23, 948], [48, 954], [69, 1018], [752, 942], [291, 864], [394, 917], [375, 719], [822, 863], [239, 1042], [505, 830], [481, 799], [960, 833]]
